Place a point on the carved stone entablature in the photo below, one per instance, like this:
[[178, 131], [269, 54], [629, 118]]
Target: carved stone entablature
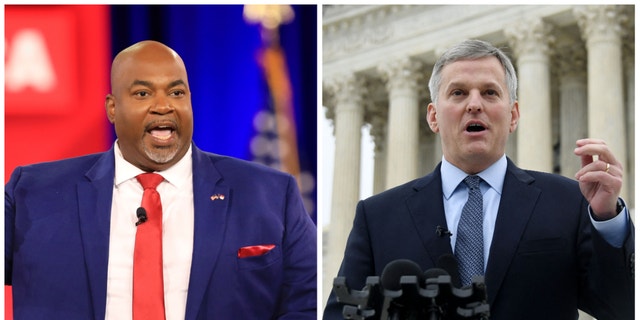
[[357, 31]]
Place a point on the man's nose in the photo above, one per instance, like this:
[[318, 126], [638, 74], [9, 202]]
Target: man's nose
[[162, 105], [475, 102]]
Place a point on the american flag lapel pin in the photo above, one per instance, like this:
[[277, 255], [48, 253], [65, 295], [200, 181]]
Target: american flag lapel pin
[[217, 196]]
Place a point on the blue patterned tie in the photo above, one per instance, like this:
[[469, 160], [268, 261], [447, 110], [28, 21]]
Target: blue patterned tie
[[469, 242]]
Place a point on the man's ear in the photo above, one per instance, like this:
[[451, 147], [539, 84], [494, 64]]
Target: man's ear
[[515, 116], [431, 118], [110, 107]]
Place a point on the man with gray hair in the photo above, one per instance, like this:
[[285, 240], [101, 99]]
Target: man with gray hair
[[545, 244]]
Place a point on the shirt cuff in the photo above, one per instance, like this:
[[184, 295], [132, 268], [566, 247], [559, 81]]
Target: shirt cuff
[[614, 230]]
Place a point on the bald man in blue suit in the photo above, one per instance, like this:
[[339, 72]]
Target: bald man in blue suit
[[251, 249]]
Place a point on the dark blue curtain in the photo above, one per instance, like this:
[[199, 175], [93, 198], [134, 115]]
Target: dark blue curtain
[[228, 87]]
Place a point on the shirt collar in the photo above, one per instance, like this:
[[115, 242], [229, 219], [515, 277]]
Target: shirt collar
[[177, 175], [452, 176]]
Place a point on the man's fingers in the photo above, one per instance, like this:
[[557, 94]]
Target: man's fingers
[[588, 148], [599, 166], [586, 141]]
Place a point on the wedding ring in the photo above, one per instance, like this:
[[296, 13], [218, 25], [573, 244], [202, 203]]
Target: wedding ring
[[607, 169]]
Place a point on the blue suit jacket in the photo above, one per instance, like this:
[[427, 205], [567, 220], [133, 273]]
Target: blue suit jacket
[[545, 261], [57, 220]]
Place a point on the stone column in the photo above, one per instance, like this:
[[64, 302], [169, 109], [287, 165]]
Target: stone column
[[428, 152], [531, 41], [512, 147], [427, 139], [571, 69], [602, 30], [629, 66], [402, 77], [378, 119], [437, 149], [349, 116]]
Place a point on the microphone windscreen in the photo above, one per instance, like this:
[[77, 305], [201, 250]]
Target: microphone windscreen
[[434, 273], [394, 270], [450, 264]]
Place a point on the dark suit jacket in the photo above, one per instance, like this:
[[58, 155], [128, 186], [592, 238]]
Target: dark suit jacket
[[57, 220], [545, 261]]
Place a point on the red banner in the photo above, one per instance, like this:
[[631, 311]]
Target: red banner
[[57, 61], [56, 78]]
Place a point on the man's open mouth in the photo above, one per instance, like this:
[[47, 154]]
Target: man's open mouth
[[161, 131], [475, 127]]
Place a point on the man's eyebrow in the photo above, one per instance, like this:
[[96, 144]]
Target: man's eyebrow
[[141, 83], [148, 84], [488, 84], [454, 84], [176, 83]]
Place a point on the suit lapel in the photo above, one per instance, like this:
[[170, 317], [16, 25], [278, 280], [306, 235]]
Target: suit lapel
[[516, 206], [427, 211], [210, 219], [94, 207]]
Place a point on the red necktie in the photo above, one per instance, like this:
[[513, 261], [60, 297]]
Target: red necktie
[[148, 287]]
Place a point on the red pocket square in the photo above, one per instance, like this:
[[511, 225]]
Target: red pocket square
[[252, 251]]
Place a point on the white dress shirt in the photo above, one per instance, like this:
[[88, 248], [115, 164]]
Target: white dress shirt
[[176, 193]]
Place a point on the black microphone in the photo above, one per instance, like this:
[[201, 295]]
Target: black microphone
[[434, 311], [455, 302], [404, 292], [394, 270], [397, 303], [142, 216], [450, 264], [434, 273], [442, 231]]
